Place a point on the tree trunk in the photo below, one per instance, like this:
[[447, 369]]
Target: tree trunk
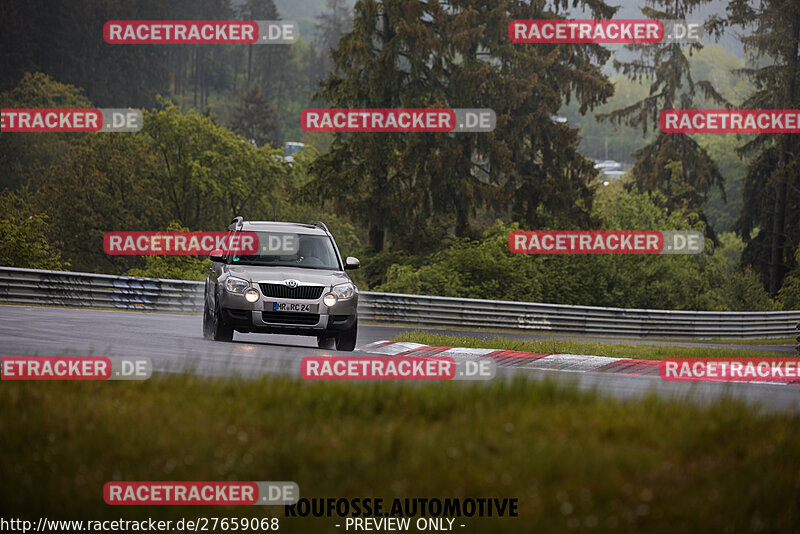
[[376, 238], [461, 207], [196, 74], [778, 222], [249, 63], [779, 210], [376, 230]]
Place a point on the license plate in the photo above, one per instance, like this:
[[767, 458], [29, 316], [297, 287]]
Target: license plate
[[291, 307]]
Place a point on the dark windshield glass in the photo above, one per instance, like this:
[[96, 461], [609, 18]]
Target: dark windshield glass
[[292, 250]]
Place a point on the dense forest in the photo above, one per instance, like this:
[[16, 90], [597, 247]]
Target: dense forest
[[426, 212]]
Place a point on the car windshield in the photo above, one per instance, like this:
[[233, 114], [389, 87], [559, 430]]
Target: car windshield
[[291, 250]]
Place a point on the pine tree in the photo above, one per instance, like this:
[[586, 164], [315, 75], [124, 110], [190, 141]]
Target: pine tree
[[415, 187], [773, 178], [666, 66], [335, 21], [257, 10], [254, 118]]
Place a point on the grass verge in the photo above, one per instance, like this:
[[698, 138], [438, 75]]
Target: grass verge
[[577, 462], [558, 346]]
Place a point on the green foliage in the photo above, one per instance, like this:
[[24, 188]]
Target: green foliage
[[676, 165], [37, 90], [789, 295], [719, 67], [711, 63], [420, 191], [335, 21], [106, 182], [41, 36], [24, 235], [486, 269], [771, 200], [672, 86], [23, 155], [255, 119], [426, 54], [375, 270], [722, 210], [65, 41], [743, 291], [207, 174], [622, 139], [177, 267], [181, 167]]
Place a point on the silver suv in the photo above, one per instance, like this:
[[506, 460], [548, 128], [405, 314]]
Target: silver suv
[[294, 284]]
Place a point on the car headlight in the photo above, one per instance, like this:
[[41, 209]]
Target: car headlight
[[329, 299], [251, 295], [236, 285], [344, 291]]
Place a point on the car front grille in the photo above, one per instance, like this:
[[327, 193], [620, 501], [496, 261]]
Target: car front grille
[[290, 318], [285, 292]]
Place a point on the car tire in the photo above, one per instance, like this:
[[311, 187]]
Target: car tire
[[346, 341], [206, 321], [326, 342], [219, 330]]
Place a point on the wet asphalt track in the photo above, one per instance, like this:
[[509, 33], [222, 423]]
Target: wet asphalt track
[[174, 343]]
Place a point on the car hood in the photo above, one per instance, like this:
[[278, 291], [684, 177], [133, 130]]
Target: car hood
[[254, 273]]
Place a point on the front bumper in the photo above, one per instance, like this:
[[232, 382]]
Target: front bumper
[[304, 324], [258, 316]]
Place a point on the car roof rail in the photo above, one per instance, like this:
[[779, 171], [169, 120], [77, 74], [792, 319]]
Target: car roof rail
[[236, 223], [322, 224]]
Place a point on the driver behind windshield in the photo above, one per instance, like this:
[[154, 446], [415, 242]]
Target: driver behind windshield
[[309, 253]]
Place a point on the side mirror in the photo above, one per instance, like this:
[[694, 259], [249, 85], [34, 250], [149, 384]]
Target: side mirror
[[351, 263], [217, 255]]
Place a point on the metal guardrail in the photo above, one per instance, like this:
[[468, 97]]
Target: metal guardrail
[[584, 320], [29, 286], [62, 288]]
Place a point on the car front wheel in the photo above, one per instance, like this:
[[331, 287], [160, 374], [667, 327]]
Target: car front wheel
[[213, 326], [347, 340], [206, 321]]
